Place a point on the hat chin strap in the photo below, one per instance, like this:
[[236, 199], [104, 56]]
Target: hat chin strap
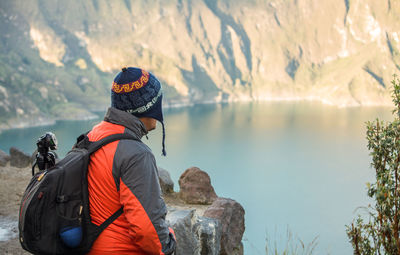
[[164, 153]]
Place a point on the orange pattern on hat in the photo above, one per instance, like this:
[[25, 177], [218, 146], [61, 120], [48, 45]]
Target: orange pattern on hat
[[135, 85]]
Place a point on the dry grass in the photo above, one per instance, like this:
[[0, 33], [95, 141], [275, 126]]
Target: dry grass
[[293, 245]]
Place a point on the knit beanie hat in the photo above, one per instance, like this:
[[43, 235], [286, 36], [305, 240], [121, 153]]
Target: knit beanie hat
[[138, 92]]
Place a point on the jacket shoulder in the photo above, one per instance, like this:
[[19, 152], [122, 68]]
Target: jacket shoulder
[[130, 157], [129, 148]]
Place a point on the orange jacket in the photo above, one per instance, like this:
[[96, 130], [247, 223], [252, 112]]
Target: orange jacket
[[124, 173]]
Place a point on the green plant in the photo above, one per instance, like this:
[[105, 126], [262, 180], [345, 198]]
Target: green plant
[[380, 234]]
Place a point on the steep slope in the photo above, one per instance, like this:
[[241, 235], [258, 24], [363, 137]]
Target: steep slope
[[57, 58]]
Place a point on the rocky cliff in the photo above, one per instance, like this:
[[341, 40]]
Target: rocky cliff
[[57, 58]]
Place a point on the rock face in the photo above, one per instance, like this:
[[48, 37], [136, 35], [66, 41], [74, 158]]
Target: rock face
[[195, 235], [339, 52], [19, 158], [166, 183], [209, 232], [4, 158], [195, 187], [231, 215], [181, 222]]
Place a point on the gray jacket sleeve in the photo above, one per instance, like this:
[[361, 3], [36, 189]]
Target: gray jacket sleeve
[[140, 190]]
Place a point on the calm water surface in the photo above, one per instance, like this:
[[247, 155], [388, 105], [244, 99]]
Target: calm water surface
[[301, 166]]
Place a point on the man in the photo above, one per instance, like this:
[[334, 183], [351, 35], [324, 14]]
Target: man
[[124, 173]]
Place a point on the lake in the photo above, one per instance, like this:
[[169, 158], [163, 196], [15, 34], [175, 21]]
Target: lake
[[300, 166]]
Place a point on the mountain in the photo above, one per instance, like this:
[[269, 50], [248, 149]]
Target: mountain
[[58, 58]]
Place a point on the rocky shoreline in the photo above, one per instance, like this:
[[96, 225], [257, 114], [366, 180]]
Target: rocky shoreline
[[37, 121], [42, 121], [203, 222]]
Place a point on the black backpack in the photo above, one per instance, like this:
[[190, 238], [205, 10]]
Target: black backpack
[[54, 215]]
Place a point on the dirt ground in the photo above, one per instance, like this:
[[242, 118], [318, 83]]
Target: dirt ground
[[13, 182]]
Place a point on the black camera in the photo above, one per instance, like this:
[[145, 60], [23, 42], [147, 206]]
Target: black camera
[[45, 156]]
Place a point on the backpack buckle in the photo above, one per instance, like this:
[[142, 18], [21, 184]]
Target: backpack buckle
[[82, 141], [62, 199]]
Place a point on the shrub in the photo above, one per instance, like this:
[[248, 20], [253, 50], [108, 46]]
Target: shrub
[[380, 233]]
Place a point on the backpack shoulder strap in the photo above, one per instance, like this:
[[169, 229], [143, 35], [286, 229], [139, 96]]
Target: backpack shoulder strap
[[94, 146], [111, 219], [83, 141]]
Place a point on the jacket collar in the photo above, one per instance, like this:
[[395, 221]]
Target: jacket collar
[[127, 120]]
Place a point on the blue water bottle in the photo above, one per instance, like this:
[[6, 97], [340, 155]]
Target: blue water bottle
[[71, 236]]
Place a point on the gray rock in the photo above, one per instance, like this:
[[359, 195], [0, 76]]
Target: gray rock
[[208, 232], [238, 250], [166, 183], [195, 235], [181, 223], [4, 158], [19, 158], [195, 187], [231, 215]]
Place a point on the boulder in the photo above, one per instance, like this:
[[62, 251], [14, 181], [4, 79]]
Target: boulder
[[4, 158], [195, 235], [231, 215], [19, 158], [195, 187], [166, 183]]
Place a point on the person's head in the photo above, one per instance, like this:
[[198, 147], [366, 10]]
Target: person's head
[[139, 92]]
